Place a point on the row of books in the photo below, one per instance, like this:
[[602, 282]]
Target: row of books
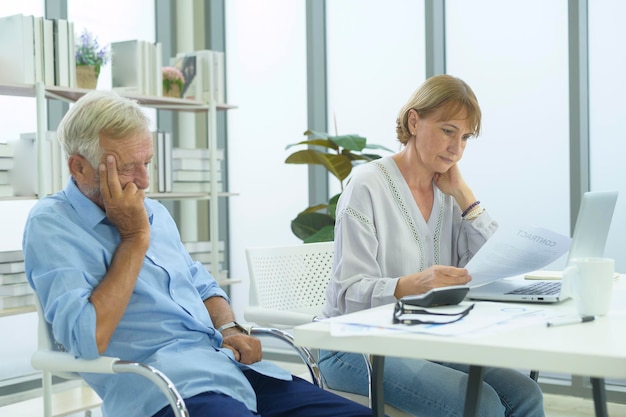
[[6, 165], [17, 159], [15, 291], [36, 49], [136, 67], [204, 75], [182, 170]]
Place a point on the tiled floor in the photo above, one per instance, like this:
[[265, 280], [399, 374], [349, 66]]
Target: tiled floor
[[555, 405]]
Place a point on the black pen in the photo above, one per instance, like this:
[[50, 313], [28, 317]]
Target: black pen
[[569, 320]]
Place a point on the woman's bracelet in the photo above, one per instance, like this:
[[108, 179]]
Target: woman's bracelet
[[475, 212], [471, 206]]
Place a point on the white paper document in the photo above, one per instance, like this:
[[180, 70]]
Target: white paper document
[[486, 317], [514, 251]]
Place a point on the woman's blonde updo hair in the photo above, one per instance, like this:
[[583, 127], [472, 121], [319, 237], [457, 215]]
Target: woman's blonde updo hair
[[445, 92]]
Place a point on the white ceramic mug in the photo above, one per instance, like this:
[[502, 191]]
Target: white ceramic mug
[[591, 280]]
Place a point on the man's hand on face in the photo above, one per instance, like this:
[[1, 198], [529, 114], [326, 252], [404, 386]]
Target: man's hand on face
[[124, 206]]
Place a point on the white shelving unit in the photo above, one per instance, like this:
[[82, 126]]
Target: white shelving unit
[[42, 93]]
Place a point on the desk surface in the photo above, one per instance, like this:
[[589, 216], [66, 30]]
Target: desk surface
[[596, 349]]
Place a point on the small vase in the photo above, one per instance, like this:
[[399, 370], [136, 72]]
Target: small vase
[[174, 91], [86, 77]]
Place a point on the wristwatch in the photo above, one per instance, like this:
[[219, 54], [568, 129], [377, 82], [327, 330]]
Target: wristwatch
[[232, 324]]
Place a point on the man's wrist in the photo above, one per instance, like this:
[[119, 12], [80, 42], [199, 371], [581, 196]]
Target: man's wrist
[[232, 325]]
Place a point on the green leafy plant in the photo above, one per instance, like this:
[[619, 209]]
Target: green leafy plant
[[89, 51], [338, 154]]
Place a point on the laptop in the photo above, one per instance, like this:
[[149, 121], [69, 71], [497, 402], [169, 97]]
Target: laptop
[[590, 234]]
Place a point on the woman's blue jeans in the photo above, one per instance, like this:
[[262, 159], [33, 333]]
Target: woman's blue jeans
[[428, 389]]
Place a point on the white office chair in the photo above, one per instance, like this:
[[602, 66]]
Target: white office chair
[[288, 288], [52, 359]]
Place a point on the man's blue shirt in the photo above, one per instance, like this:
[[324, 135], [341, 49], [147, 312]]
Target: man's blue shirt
[[68, 246]]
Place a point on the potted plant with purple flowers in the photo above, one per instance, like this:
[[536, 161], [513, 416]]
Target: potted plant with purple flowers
[[90, 57]]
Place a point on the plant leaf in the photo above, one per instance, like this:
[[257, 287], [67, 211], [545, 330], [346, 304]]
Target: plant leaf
[[307, 224], [350, 142], [315, 142], [332, 205], [338, 165], [316, 134], [374, 146], [315, 208], [325, 234]]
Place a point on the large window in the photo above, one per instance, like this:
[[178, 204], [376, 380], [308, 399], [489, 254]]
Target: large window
[[514, 56], [373, 67], [266, 63], [607, 66]]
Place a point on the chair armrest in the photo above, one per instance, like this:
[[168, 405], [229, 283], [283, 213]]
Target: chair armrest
[[65, 364], [62, 362], [303, 352], [277, 318]]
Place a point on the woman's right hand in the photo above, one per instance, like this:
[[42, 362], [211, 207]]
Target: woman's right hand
[[434, 277]]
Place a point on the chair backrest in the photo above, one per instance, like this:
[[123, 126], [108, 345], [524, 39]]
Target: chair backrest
[[290, 277]]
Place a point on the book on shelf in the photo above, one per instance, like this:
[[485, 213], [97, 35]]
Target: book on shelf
[[17, 54], [206, 257], [61, 52], [17, 301], [127, 67], [6, 163], [205, 69], [202, 153], [71, 46], [11, 256], [6, 150], [5, 178], [163, 165], [219, 85], [38, 48], [191, 164], [188, 66], [23, 176], [15, 289], [182, 175], [48, 51], [59, 171], [11, 267], [194, 187], [136, 67], [202, 246], [24, 179], [15, 278], [6, 190]]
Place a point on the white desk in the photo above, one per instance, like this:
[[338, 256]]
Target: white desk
[[595, 349]]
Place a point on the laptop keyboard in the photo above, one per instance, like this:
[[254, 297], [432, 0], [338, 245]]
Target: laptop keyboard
[[545, 288]]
